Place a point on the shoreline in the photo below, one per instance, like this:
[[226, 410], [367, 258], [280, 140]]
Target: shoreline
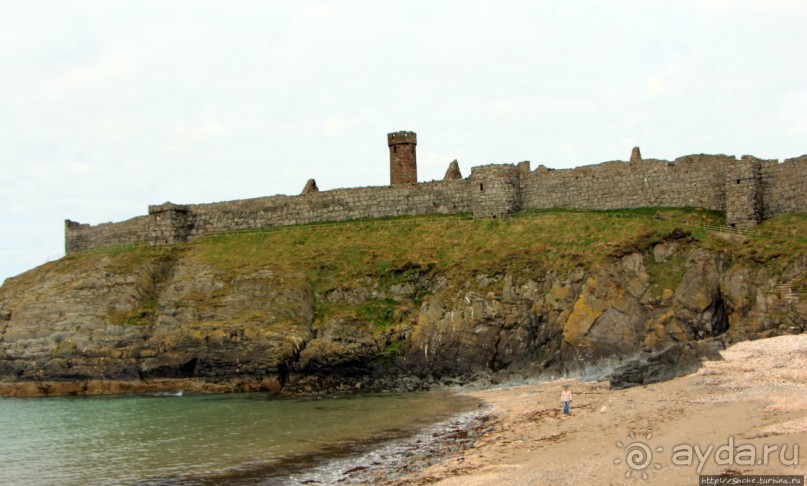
[[396, 459], [49, 388], [268, 444], [752, 401]]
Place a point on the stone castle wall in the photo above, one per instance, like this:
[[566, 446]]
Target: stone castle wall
[[84, 237], [496, 189], [748, 189], [743, 192], [784, 187], [336, 205], [694, 181]]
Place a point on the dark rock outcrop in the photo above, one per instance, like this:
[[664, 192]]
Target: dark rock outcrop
[[677, 359]]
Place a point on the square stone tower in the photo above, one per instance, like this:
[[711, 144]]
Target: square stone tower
[[403, 168]]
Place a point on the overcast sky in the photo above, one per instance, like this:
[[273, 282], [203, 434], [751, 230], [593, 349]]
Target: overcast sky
[[108, 106]]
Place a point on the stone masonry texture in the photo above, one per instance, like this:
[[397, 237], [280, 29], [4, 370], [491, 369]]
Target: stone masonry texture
[[453, 172], [635, 155], [748, 189], [402, 158], [310, 186]]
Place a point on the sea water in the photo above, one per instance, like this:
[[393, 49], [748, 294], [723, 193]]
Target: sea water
[[197, 439]]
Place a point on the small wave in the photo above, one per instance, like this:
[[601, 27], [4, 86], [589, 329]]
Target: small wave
[[177, 393]]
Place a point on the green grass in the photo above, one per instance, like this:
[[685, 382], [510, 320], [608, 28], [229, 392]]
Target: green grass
[[785, 240], [379, 312], [666, 275], [528, 244], [398, 251], [525, 246], [144, 315], [390, 353], [395, 250]]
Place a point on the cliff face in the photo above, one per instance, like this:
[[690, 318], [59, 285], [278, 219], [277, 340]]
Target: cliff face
[[152, 319], [167, 318], [609, 322]]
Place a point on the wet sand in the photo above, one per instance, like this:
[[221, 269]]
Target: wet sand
[[755, 398]]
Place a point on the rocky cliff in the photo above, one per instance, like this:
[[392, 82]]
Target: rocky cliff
[[401, 306]]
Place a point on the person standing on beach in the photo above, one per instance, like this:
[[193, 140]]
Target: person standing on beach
[[566, 398]]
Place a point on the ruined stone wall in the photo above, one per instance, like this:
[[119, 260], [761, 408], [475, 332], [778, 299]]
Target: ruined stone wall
[[784, 186], [449, 197], [765, 189], [743, 192], [169, 223], [695, 180], [83, 236], [496, 190]]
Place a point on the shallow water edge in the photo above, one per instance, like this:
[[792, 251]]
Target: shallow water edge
[[237, 438]]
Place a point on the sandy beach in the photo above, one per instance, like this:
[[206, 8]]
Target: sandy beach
[[745, 415]]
